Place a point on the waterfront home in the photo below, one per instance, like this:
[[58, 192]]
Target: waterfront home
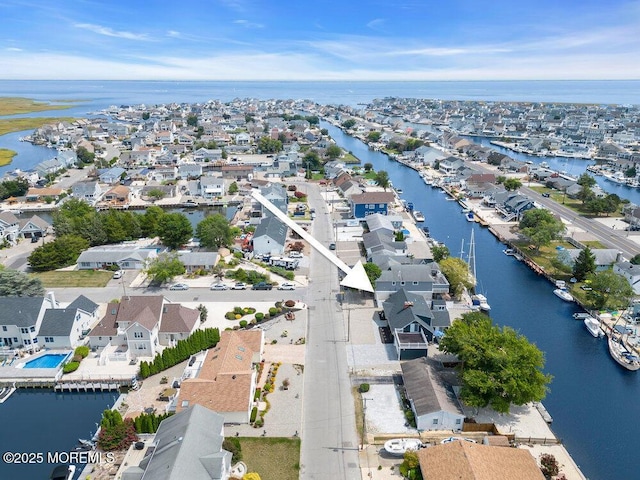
[[48, 168], [367, 203], [211, 187], [422, 279], [427, 156], [385, 223], [631, 272], [89, 191], [42, 194], [512, 205], [118, 196], [381, 242], [604, 257], [60, 328], [186, 445], [462, 460], [20, 320], [33, 227], [226, 381], [111, 175], [167, 190], [270, 237], [189, 170], [125, 257], [207, 155], [9, 227], [430, 400], [237, 172], [451, 165], [198, 261], [68, 158], [631, 215], [135, 325]]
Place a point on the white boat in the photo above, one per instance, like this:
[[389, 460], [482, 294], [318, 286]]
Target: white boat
[[470, 216], [418, 216], [580, 315], [6, 392], [398, 446], [622, 356], [480, 301], [510, 252], [593, 326], [563, 294]]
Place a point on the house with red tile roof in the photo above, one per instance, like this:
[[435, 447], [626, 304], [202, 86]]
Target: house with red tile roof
[[226, 381]]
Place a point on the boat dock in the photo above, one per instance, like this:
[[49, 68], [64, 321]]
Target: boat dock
[[92, 386]]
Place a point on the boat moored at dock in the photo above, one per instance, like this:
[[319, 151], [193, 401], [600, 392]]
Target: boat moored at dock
[[593, 326], [563, 294], [621, 355], [418, 216]]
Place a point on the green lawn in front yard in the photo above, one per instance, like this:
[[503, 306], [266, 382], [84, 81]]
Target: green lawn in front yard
[[74, 278], [272, 458], [349, 158]]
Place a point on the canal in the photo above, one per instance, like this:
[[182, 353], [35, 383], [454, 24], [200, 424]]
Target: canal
[[592, 400]]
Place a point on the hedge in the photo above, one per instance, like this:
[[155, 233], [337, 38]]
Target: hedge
[[83, 351], [70, 367], [254, 414], [364, 387]]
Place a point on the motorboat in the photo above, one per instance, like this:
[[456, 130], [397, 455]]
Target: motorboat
[[6, 392], [510, 252], [622, 356], [563, 294], [480, 301], [63, 472], [581, 315], [398, 446], [593, 326], [470, 216], [418, 216]]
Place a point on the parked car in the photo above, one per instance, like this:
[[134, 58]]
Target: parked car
[[262, 286], [118, 274], [218, 286], [546, 194], [286, 286], [295, 254], [179, 286], [332, 246], [239, 286]]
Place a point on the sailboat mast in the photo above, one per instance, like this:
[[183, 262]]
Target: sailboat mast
[[471, 259]]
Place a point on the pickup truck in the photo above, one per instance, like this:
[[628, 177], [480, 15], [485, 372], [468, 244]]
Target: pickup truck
[[262, 286]]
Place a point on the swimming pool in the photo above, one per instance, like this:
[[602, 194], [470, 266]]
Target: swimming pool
[[48, 360]]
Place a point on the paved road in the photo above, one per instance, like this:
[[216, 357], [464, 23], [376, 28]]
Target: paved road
[[329, 439], [617, 239]]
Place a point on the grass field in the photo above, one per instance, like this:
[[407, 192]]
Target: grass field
[[15, 105], [74, 278], [10, 125], [272, 458], [6, 156]]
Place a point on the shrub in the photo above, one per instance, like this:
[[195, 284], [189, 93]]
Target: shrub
[[268, 387], [273, 311], [238, 310], [549, 465], [364, 387], [76, 358], [254, 414], [83, 351], [256, 395], [251, 476], [70, 367], [259, 316], [230, 316], [238, 316], [231, 444], [243, 323], [259, 422]]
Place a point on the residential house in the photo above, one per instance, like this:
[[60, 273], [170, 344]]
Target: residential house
[[460, 460], [48, 168], [270, 237], [43, 194], [451, 165], [207, 155], [68, 158], [423, 279], [198, 261], [9, 227], [89, 191], [381, 242], [604, 257], [161, 174], [430, 399], [60, 328], [370, 202], [20, 320], [126, 257], [118, 196], [388, 224], [177, 323], [237, 172], [186, 445], [211, 187], [226, 381], [512, 205], [167, 190], [631, 272], [33, 227], [189, 170]]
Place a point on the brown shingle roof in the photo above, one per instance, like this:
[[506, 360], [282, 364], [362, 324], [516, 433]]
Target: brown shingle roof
[[373, 197], [461, 460], [178, 319], [145, 310]]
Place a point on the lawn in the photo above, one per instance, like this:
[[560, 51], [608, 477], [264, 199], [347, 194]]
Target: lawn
[[16, 105], [272, 458], [74, 278]]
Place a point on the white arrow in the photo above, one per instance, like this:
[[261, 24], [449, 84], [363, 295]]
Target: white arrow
[[356, 277]]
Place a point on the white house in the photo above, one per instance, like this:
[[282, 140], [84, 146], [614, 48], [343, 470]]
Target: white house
[[126, 257], [631, 272], [20, 320], [211, 187]]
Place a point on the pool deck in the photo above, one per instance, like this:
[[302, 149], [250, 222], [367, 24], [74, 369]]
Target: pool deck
[[16, 373]]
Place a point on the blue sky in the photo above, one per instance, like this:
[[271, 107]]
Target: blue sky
[[320, 40]]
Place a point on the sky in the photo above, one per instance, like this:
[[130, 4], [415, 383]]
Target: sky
[[320, 40]]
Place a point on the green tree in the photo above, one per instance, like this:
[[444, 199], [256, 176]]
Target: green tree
[[155, 194], [631, 172], [62, 252], [512, 184], [17, 284], [164, 267], [214, 232], [585, 264], [410, 466], [192, 120], [233, 188], [333, 152], [368, 167], [586, 180], [312, 160], [146, 116], [84, 155], [457, 273], [635, 260], [149, 221], [499, 367], [382, 179], [373, 272], [609, 290], [440, 252], [586, 194], [541, 226], [374, 136], [500, 179], [269, 145], [350, 123], [174, 229]]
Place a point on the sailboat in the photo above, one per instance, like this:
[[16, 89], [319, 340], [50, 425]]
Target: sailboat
[[478, 300]]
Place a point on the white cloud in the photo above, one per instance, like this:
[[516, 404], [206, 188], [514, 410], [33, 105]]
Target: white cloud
[[248, 24], [99, 29], [376, 24], [13, 49], [174, 34]]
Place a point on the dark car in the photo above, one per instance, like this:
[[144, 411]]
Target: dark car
[[546, 194], [262, 286]]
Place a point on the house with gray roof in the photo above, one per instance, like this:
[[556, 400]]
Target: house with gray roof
[[198, 261], [111, 175], [433, 402], [189, 170], [126, 257], [631, 272], [423, 279], [270, 237], [211, 187], [186, 445], [381, 242], [20, 320], [9, 227], [604, 257], [87, 310], [34, 227], [89, 191], [60, 328]]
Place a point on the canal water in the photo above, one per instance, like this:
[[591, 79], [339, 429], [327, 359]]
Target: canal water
[[593, 401], [42, 421]]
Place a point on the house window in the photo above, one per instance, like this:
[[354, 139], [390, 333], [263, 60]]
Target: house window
[[4, 328], [15, 339], [435, 421], [141, 346], [35, 340], [32, 329], [458, 421], [27, 342], [24, 330], [137, 334]]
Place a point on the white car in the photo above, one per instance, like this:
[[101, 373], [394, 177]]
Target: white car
[[295, 254], [218, 286], [239, 286], [179, 286], [286, 286], [118, 274]]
